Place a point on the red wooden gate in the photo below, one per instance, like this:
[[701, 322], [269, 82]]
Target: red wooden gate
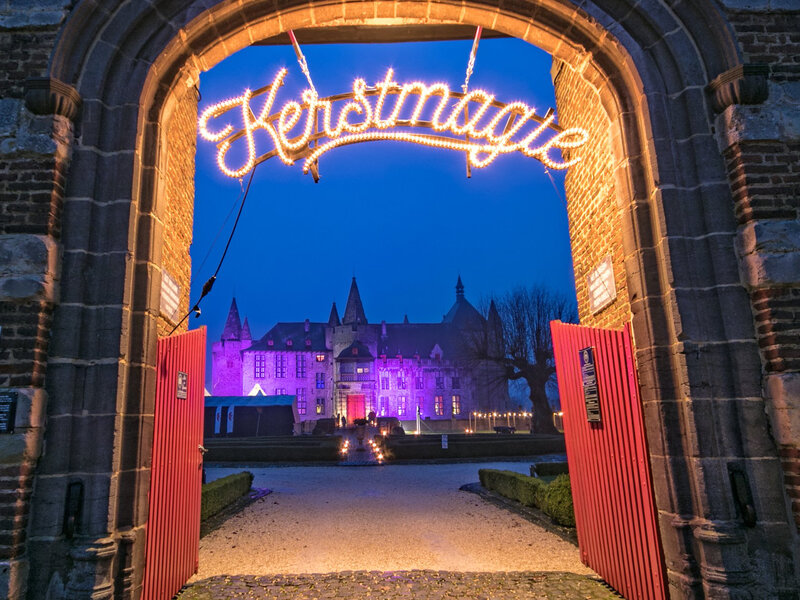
[[173, 523], [608, 459]]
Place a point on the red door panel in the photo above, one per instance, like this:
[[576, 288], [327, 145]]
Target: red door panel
[[173, 522], [609, 464]]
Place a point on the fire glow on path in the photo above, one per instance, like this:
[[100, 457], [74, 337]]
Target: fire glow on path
[[514, 127]]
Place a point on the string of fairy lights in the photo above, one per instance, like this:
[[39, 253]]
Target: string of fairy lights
[[482, 144], [484, 140]]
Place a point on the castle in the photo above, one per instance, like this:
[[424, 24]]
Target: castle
[[350, 367]]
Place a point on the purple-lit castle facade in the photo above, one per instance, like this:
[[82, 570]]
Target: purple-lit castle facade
[[349, 367]]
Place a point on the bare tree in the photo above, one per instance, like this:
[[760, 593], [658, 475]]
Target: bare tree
[[518, 340]]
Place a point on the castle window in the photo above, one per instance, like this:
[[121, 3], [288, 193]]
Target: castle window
[[280, 391], [320, 357], [280, 365], [439, 381], [401, 406], [401, 381], [320, 406], [456, 404], [301, 365], [301, 401], [385, 383], [438, 405], [361, 369], [259, 366], [456, 383], [320, 381], [420, 382], [383, 408]]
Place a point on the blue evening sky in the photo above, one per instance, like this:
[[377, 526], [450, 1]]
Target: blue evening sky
[[403, 219]]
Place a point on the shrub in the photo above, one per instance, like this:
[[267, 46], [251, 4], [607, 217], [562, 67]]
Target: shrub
[[220, 493], [558, 501], [549, 469], [530, 490], [554, 499]]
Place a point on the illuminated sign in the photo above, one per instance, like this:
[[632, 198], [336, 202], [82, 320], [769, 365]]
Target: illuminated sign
[[478, 125]]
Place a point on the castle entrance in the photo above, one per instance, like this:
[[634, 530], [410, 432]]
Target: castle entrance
[[355, 407], [110, 117]]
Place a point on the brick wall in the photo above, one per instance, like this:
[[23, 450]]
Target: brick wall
[[595, 219], [761, 147], [181, 138]]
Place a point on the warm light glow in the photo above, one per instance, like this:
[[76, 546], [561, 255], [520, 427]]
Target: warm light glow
[[486, 136]]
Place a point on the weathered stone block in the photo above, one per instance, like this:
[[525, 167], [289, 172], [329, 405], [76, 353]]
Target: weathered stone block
[[783, 407], [770, 251], [28, 267]]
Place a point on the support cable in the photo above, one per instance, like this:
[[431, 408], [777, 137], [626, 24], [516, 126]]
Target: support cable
[[302, 60], [210, 283], [470, 67]]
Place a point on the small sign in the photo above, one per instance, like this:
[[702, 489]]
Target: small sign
[[601, 285], [170, 297], [591, 393], [444, 441], [183, 386], [8, 411]]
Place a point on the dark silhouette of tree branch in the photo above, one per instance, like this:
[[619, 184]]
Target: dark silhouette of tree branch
[[518, 339]]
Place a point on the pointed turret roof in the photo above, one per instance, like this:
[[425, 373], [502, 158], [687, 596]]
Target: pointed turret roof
[[246, 335], [354, 310], [233, 326], [494, 326], [333, 319], [462, 314]]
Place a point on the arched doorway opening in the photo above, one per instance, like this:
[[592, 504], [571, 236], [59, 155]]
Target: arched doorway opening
[[644, 67]]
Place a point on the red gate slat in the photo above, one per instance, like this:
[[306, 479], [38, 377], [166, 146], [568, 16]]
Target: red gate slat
[[173, 523], [609, 463]]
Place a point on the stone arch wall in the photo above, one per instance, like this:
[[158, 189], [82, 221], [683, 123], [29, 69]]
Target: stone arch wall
[[132, 63]]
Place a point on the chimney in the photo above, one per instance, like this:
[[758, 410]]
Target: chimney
[[383, 328], [306, 326]]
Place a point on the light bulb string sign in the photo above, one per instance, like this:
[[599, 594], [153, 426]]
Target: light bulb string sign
[[306, 129]]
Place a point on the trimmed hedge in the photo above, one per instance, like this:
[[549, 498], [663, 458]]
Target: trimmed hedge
[[221, 492], [554, 499], [417, 447], [312, 448]]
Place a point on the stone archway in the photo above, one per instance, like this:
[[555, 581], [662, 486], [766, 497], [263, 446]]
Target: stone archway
[[664, 182]]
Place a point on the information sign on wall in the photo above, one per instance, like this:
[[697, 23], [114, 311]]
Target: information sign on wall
[[591, 394], [601, 285], [8, 411], [170, 296]]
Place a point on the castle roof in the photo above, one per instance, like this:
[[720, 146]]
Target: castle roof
[[462, 314], [246, 335], [233, 325], [292, 337], [333, 319], [355, 351], [419, 339], [354, 310]]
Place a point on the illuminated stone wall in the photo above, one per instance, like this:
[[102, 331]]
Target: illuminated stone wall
[[593, 207], [710, 255], [178, 210]]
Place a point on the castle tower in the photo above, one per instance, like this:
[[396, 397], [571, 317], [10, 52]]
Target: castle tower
[[354, 310], [226, 369]]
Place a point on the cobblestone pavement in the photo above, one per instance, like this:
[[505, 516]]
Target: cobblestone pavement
[[402, 585]]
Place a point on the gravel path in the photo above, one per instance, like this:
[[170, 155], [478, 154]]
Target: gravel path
[[389, 518]]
